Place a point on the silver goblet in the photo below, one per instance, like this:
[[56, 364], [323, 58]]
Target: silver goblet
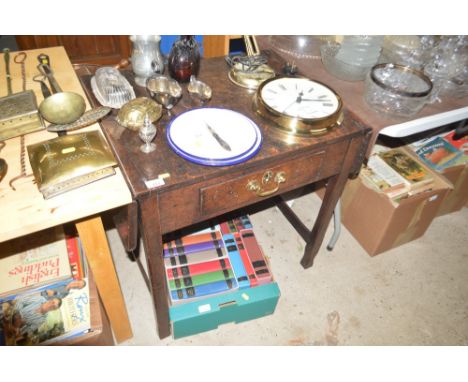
[[147, 133]]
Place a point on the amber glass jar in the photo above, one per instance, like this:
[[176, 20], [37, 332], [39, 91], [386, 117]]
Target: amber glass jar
[[184, 59]]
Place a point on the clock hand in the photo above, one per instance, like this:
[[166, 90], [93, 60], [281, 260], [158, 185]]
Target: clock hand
[[315, 100], [298, 100], [287, 107]]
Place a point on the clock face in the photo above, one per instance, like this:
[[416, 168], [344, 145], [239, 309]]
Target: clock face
[[300, 98]]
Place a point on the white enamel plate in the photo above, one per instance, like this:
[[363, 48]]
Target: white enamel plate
[[214, 137]]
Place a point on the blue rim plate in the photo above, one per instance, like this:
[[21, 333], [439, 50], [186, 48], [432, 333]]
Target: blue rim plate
[[188, 136], [254, 144]]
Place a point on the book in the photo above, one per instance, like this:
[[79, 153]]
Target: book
[[195, 257], [256, 256], [196, 269], [246, 260], [236, 261], [380, 176], [203, 278], [409, 168], [75, 257], [460, 143], [192, 293], [46, 316], [193, 243], [74, 317], [235, 225], [28, 264], [439, 154]]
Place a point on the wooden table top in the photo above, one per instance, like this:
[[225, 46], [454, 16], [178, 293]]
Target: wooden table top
[[140, 168], [25, 211]]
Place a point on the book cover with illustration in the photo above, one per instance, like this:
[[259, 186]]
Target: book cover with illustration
[[407, 167], [461, 143], [380, 176], [27, 264], [46, 316], [439, 154]]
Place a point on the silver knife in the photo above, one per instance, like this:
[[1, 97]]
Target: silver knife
[[220, 140]]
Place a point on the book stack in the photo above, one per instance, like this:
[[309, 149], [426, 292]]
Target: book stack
[[44, 291], [396, 174], [218, 262], [219, 259]]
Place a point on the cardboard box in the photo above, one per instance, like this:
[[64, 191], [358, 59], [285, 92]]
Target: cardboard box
[[380, 224], [208, 313], [457, 198]]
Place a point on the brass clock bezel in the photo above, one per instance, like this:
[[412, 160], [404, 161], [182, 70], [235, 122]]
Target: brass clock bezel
[[296, 126], [251, 79]]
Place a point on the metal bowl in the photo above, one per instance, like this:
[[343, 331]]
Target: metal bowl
[[164, 90], [62, 108]]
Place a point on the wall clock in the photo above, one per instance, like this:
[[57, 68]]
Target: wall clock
[[299, 106]]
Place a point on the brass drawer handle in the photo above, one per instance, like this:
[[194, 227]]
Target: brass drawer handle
[[254, 185]]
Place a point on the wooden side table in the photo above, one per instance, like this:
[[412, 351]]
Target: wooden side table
[[192, 193]]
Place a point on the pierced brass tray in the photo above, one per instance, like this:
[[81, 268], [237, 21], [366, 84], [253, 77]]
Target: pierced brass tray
[[19, 115]]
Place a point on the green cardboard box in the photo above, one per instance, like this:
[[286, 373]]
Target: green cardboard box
[[238, 306]]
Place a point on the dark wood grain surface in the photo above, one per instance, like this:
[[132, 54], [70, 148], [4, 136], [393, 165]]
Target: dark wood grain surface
[[139, 167]]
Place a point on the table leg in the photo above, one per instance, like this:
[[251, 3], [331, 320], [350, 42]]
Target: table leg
[[150, 228], [335, 186], [94, 240]]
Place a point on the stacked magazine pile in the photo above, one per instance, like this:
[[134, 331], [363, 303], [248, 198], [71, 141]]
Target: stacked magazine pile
[[442, 151], [44, 291], [396, 173]]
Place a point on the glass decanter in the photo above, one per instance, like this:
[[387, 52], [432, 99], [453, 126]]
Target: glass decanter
[[147, 133], [146, 57], [184, 59]]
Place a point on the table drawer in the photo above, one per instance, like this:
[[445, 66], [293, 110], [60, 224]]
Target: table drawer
[[258, 185]]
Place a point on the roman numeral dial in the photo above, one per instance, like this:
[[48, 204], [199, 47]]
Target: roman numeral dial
[[299, 97], [297, 100]]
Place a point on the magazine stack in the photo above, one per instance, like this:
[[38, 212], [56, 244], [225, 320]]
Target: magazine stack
[[44, 291]]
